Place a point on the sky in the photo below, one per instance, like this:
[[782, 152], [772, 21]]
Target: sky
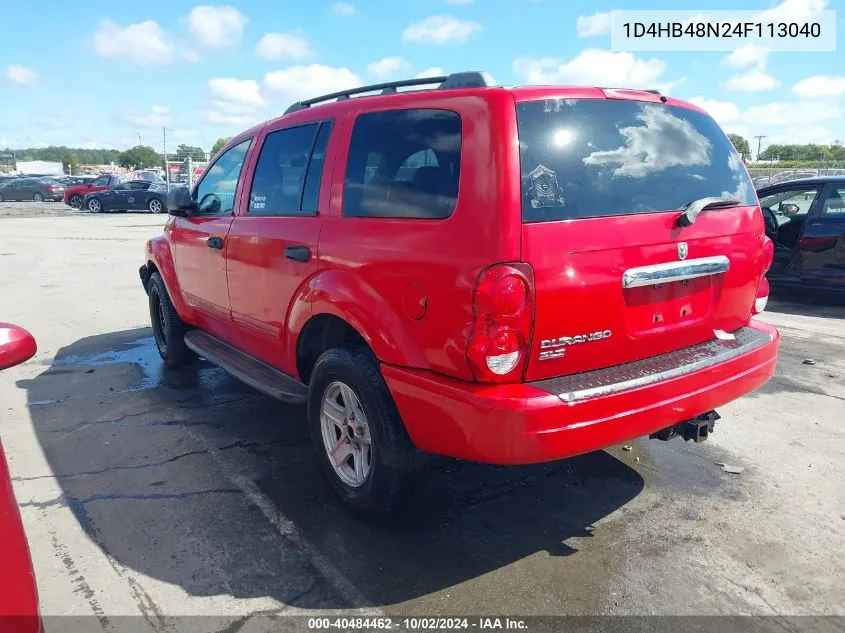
[[103, 74]]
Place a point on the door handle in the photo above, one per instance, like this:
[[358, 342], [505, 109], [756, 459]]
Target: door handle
[[215, 242], [298, 253]]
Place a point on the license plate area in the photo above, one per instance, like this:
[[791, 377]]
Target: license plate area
[[669, 305]]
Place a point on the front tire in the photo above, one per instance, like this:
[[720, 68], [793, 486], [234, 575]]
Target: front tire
[[155, 205], [358, 436], [37, 197], [168, 329], [75, 201], [94, 205]]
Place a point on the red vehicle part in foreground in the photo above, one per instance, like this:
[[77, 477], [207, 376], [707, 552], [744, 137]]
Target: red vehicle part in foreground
[[19, 612]]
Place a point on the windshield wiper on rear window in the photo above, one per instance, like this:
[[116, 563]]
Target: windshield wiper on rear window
[[694, 208]]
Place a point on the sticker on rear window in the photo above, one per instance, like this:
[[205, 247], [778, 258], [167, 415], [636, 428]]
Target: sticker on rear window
[[544, 189]]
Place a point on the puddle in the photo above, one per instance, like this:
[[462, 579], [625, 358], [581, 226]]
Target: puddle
[[143, 353]]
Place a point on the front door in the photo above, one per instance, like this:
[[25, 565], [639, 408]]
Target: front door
[[199, 240], [822, 244], [272, 245]]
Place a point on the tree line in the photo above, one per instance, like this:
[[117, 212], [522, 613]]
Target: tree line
[[134, 157], [810, 153]]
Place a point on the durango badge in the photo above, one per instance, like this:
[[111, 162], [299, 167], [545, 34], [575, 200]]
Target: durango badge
[[555, 347]]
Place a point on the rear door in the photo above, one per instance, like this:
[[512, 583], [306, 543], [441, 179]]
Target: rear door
[[604, 181], [822, 244], [272, 244]]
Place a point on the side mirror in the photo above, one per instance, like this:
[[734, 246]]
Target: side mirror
[[180, 202], [16, 345], [789, 209]]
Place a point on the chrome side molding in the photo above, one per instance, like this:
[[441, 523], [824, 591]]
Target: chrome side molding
[[675, 271]]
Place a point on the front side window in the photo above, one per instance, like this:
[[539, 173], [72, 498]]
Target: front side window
[[281, 172], [403, 164], [215, 193], [583, 158], [793, 202], [101, 182]]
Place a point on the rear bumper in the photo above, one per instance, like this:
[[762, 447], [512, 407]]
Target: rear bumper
[[526, 423]]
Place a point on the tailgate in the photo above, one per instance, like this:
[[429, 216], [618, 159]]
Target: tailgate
[[617, 279]]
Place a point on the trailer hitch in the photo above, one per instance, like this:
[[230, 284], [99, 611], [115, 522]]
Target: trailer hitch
[[697, 429]]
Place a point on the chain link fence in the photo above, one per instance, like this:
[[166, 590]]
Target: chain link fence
[[183, 172], [763, 176]]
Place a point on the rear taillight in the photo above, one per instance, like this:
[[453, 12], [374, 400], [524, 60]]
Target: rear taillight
[[503, 309], [767, 257], [768, 254], [762, 297]]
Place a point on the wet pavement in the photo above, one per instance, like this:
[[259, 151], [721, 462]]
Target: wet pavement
[[156, 492]]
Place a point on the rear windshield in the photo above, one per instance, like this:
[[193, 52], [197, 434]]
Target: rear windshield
[[593, 157]]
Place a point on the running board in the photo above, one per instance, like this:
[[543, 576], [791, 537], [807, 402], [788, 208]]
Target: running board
[[255, 373]]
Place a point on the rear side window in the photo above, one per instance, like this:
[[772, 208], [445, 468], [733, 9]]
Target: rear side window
[[403, 164], [594, 157]]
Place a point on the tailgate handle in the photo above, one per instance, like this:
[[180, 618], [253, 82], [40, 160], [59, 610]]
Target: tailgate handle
[[674, 271]]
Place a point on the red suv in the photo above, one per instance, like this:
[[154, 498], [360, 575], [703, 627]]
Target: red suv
[[505, 275]]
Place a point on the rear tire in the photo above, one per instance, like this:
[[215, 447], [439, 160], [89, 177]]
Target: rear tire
[[37, 197], [168, 329], [353, 374]]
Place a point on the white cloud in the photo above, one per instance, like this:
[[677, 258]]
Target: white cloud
[[157, 116], [820, 86], [245, 92], [142, 44], [645, 152], [388, 66], [434, 71], [302, 82], [748, 55], [343, 8], [20, 75], [800, 113], [755, 80], [189, 55], [792, 11], [215, 27], [804, 134], [440, 29], [722, 111], [592, 67], [596, 24], [218, 117], [292, 45]]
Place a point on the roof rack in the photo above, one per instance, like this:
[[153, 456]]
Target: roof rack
[[447, 82]]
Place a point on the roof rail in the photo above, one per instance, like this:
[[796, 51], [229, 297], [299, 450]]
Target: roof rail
[[455, 80]]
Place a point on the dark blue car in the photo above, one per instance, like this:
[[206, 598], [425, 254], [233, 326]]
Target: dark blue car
[[131, 195], [806, 220]]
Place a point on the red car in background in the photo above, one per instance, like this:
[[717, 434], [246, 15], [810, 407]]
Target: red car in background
[[75, 194], [19, 611]]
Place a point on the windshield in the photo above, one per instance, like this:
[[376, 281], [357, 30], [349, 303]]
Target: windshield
[[594, 157]]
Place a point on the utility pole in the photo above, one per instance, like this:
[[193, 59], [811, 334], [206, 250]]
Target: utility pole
[[759, 139], [164, 146], [139, 138]]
